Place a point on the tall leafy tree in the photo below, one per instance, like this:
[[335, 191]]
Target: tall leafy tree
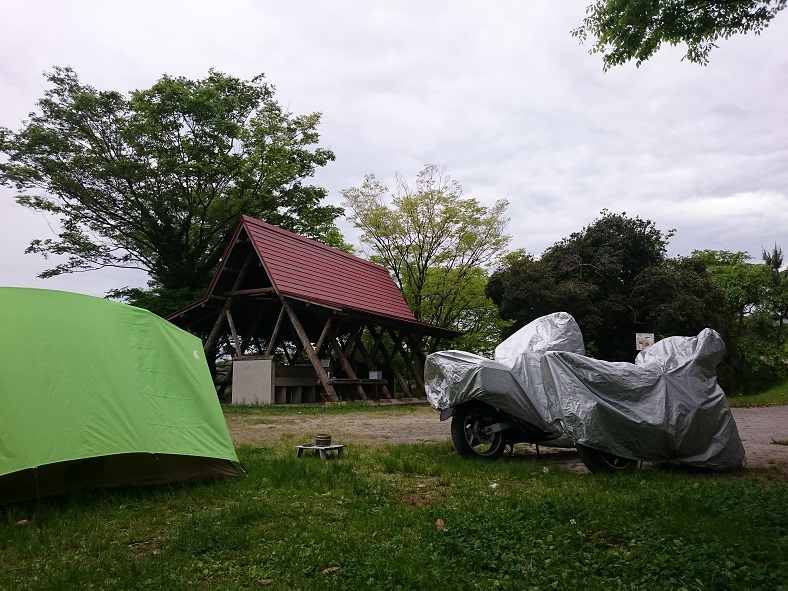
[[627, 30], [156, 180], [597, 275], [754, 335], [435, 243], [745, 285], [596, 271], [677, 297], [777, 298], [524, 288]]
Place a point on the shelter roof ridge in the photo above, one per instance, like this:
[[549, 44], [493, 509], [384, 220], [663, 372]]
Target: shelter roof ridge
[[331, 251], [304, 269]]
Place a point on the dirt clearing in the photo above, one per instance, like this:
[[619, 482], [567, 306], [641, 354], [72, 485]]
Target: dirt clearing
[[759, 428]]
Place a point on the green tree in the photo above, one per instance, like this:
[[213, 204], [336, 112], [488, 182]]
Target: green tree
[[435, 244], [677, 297], [614, 278], [157, 180], [755, 339], [745, 285], [625, 30], [523, 288], [596, 271], [467, 310], [777, 299]]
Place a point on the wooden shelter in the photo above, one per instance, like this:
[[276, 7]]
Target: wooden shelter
[[337, 323]]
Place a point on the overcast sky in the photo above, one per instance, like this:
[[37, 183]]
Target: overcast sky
[[498, 92]]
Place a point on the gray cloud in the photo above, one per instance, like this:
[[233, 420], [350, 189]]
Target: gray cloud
[[499, 93]]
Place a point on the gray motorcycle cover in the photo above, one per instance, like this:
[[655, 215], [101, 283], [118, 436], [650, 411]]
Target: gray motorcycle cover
[[666, 407], [513, 382]]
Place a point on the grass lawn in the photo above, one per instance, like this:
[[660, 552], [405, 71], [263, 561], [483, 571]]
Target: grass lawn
[[406, 517], [773, 396]]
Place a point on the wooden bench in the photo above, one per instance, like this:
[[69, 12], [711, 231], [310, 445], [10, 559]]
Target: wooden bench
[[345, 386]]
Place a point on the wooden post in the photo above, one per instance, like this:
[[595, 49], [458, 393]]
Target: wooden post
[[343, 361], [390, 362], [408, 362], [236, 342], [272, 343], [415, 346], [324, 335], [349, 346], [370, 362], [321, 372], [213, 337]]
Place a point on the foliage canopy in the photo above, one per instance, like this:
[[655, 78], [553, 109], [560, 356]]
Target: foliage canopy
[[614, 278], [157, 180], [436, 245], [625, 30], [754, 317]]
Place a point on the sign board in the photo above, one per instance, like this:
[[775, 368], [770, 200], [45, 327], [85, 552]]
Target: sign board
[[644, 340]]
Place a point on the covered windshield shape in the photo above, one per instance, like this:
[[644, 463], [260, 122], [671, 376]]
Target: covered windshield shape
[[512, 382]]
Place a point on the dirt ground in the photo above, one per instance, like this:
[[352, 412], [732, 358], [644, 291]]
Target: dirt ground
[[759, 428]]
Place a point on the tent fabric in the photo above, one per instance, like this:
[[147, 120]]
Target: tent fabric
[[666, 407], [85, 378]]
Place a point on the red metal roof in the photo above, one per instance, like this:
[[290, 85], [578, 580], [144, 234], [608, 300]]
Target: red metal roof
[[308, 270]]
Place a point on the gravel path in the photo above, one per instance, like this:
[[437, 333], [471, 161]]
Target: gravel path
[[759, 429]]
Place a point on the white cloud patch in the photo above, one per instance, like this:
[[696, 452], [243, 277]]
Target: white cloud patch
[[500, 93]]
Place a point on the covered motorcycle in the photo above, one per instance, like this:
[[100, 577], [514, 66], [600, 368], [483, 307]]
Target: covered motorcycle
[[498, 402], [666, 407]]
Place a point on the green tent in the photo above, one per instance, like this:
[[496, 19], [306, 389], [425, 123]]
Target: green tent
[[97, 393]]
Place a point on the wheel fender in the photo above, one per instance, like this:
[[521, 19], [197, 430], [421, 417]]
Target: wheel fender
[[447, 413]]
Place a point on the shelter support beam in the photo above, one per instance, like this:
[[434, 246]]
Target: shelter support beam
[[390, 362], [313, 358], [324, 335], [216, 331], [213, 337], [272, 343], [236, 341], [347, 368], [370, 363], [414, 343], [406, 357]]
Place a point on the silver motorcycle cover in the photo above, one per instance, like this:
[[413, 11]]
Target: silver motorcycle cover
[[555, 332], [454, 377], [666, 407], [523, 352], [512, 383]]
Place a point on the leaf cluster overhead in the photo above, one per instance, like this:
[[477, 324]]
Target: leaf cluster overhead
[[625, 30]]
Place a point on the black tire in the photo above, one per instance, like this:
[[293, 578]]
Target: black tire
[[468, 432], [599, 462]]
